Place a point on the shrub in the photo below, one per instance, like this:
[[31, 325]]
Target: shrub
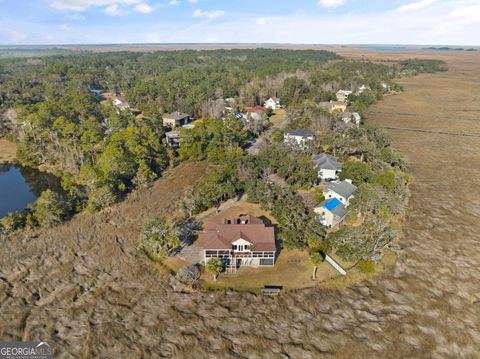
[[366, 266], [50, 208]]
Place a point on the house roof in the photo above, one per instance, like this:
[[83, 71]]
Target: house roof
[[255, 108], [344, 188], [175, 116], [221, 234], [301, 132], [335, 206], [326, 162]]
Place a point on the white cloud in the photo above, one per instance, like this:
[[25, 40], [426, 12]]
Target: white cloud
[[193, 1], [173, 2], [143, 8], [417, 5], [82, 5], [208, 14], [113, 10], [331, 3], [65, 27], [263, 20], [76, 17]]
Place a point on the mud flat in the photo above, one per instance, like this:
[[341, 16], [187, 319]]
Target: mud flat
[[84, 286]]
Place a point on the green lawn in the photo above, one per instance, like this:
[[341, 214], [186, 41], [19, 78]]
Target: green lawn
[[292, 270]]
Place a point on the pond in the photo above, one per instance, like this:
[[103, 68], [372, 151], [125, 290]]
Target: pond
[[20, 186]]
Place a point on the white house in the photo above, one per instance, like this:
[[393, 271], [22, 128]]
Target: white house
[[354, 117], [363, 88], [120, 103], [330, 212], [342, 95], [343, 191], [273, 103], [298, 137], [327, 166]]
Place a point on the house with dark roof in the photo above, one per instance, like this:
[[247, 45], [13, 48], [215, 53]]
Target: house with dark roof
[[298, 137], [331, 212], [343, 191], [327, 166], [175, 119], [241, 241]]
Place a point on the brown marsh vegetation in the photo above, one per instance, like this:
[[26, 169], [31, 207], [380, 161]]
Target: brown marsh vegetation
[[85, 287]]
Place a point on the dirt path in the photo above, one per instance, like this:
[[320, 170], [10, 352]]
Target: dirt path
[[98, 297]]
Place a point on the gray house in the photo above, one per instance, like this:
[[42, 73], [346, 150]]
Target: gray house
[[327, 166], [343, 191], [298, 137]]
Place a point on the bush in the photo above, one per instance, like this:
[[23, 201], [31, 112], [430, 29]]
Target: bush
[[160, 238], [366, 266], [50, 208], [100, 197]]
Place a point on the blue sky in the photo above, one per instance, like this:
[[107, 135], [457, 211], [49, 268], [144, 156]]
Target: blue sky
[[436, 22]]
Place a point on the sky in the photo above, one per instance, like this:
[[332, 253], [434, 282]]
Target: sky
[[421, 22]]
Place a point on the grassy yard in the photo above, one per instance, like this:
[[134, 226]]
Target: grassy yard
[[278, 116], [7, 151], [292, 270]]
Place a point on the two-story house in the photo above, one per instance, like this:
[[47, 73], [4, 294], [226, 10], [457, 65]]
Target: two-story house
[[241, 241], [298, 137], [175, 119], [327, 166], [273, 103], [343, 191]]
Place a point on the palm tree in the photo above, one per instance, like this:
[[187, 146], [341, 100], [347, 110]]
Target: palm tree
[[215, 267], [316, 258]]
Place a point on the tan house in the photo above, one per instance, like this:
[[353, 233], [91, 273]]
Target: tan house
[[175, 119], [342, 95], [241, 241], [337, 106]]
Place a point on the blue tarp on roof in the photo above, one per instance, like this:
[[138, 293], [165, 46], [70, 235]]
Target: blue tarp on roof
[[331, 204]]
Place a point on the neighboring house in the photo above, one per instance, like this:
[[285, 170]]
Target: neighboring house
[[363, 88], [173, 138], [242, 241], [354, 117], [386, 87], [120, 103], [330, 212], [327, 166], [175, 119], [343, 191], [273, 103], [342, 95], [256, 113], [338, 106], [298, 137], [334, 106]]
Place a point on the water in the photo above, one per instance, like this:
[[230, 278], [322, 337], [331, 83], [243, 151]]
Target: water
[[20, 186]]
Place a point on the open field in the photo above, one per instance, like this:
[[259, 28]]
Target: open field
[[98, 297], [8, 151]]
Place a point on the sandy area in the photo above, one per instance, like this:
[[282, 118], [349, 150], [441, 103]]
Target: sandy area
[[8, 151]]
